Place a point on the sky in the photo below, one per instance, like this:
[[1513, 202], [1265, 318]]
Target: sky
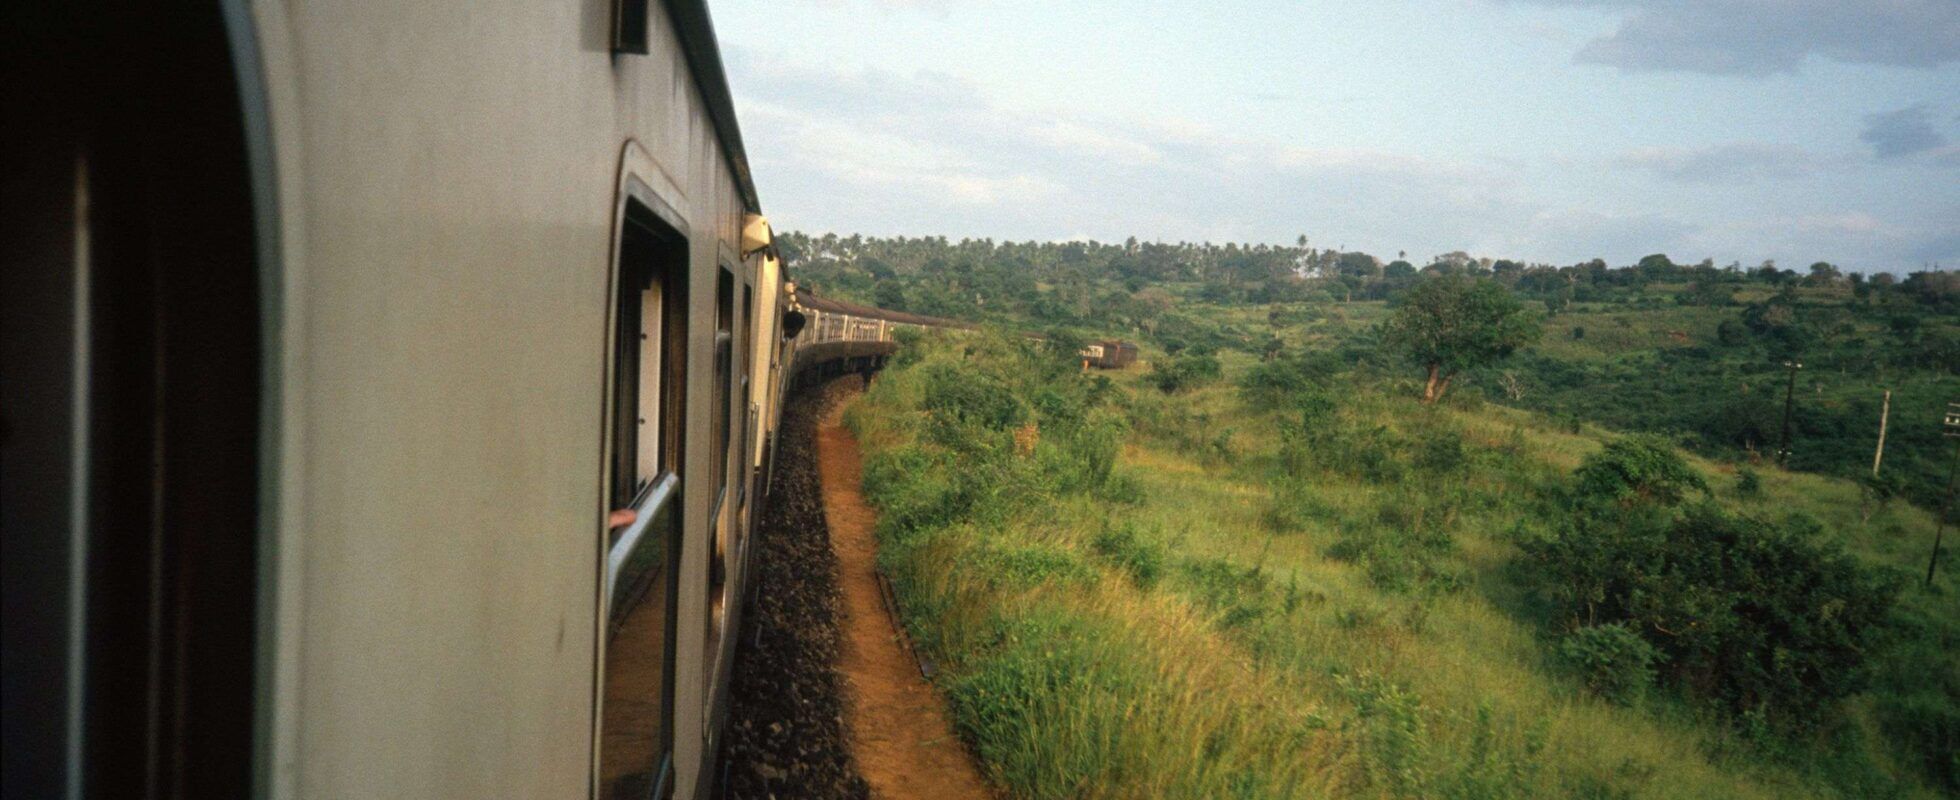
[[1551, 131]]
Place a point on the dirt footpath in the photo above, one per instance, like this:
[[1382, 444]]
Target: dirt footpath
[[899, 730]]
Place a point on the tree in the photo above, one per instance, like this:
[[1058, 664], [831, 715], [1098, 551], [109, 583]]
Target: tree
[[1450, 323], [1823, 273]]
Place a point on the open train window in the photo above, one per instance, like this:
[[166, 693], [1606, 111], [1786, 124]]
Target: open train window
[[630, 18], [724, 368], [723, 391], [642, 577], [747, 395], [133, 462]]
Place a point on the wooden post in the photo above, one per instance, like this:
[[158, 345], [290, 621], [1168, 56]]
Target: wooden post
[[1884, 411]]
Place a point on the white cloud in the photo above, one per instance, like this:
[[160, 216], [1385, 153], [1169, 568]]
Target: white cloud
[[1762, 37], [1729, 164], [871, 157]]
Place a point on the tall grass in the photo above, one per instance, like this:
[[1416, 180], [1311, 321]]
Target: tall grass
[[1136, 594]]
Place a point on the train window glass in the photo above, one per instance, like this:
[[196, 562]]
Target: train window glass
[[747, 395], [724, 365], [630, 26], [641, 560], [723, 391]]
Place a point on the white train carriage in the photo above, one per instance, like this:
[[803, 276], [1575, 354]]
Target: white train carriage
[[334, 333]]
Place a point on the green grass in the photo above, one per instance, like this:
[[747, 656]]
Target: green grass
[[1170, 635]]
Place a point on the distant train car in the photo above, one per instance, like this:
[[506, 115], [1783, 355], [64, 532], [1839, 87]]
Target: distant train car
[[335, 332], [1109, 354]]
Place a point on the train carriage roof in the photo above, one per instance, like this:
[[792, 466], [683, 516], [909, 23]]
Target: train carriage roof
[[698, 45]]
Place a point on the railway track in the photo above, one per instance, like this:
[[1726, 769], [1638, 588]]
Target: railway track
[[786, 732], [828, 699]]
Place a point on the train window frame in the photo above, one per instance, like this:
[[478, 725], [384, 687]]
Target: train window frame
[[642, 561]]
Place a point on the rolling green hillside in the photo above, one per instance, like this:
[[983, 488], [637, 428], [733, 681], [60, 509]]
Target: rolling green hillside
[[1329, 589], [1256, 565]]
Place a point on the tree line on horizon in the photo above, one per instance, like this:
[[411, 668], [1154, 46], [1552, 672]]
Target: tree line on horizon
[[988, 279], [1719, 393]]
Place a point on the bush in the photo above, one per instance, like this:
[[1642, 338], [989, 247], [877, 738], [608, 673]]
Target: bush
[[1239, 595], [1408, 547], [1442, 452], [1274, 384], [1081, 457], [1184, 372], [1748, 484], [1928, 722], [1121, 546], [1752, 616], [1637, 469], [1295, 505], [1613, 660], [956, 397], [1731, 333], [1875, 492], [1025, 567]]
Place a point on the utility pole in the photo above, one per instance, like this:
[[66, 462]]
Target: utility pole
[[1946, 507], [1884, 411], [1789, 402]]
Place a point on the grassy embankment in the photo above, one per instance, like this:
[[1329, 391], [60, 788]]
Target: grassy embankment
[[1130, 601]]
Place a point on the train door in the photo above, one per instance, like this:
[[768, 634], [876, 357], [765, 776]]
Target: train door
[[641, 561]]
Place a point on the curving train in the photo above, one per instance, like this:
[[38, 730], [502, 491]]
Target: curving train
[[335, 333]]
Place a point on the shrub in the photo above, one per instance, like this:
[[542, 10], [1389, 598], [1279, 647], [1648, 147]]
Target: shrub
[[1748, 484], [1175, 375], [1047, 666], [1744, 613], [1081, 457], [1121, 546], [1408, 547], [1613, 660], [1441, 452], [1267, 385], [1025, 567], [1275, 383], [1637, 469], [956, 397], [1874, 493], [910, 342], [1487, 770], [1357, 617], [1371, 453], [1928, 723], [911, 491], [1122, 488], [1295, 505], [1240, 595], [1731, 333]]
